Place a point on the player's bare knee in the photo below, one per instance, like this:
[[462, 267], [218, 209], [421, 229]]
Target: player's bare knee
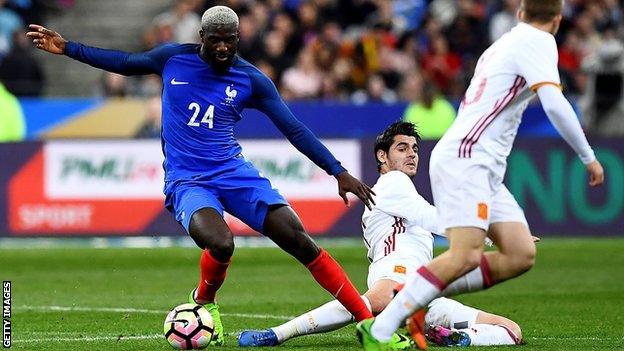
[[299, 244], [378, 301], [524, 260], [377, 307], [223, 250]]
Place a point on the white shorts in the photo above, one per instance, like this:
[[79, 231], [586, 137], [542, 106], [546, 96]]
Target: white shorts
[[450, 314], [397, 266], [470, 194]]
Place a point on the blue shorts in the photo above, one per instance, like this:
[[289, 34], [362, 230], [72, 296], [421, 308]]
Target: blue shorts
[[241, 191]]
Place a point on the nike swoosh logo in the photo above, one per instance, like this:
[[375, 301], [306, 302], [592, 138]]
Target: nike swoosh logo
[[174, 82], [185, 321]]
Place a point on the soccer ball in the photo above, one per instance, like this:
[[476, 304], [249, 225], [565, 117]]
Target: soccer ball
[[189, 327]]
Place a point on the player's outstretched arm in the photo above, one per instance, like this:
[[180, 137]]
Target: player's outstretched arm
[[109, 60], [349, 184], [267, 100], [564, 119], [46, 39]]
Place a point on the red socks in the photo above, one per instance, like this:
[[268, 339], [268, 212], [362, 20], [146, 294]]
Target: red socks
[[328, 273], [212, 276], [486, 273]]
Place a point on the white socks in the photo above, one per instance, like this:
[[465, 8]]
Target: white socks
[[477, 279], [471, 281], [328, 317], [416, 294], [489, 335]]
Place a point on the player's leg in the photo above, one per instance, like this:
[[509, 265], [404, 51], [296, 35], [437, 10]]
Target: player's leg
[[211, 233], [270, 214], [464, 254], [516, 251], [328, 317], [454, 324], [283, 226], [325, 318], [201, 214], [383, 276]]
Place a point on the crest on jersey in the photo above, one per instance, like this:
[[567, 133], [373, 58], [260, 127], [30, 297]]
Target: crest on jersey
[[230, 94]]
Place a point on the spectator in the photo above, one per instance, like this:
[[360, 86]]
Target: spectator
[[9, 23], [503, 21], [20, 71], [603, 100], [249, 44], [152, 125], [304, 80], [309, 21], [441, 65], [376, 91], [12, 121], [570, 57], [114, 85], [430, 111], [274, 53], [182, 20]]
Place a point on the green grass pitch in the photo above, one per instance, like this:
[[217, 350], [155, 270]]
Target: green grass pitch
[[116, 299]]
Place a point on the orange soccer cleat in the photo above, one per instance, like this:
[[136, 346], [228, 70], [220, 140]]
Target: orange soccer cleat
[[415, 325]]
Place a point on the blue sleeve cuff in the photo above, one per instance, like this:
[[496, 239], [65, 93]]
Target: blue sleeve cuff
[[336, 169], [71, 48]]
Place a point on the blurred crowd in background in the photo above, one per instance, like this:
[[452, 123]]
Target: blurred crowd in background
[[359, 51]]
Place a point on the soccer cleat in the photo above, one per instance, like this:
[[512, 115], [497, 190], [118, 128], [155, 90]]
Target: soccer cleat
[[416, 327], [397, 343], [400, 342], [442, 336], [257, 338], [213, 308], [217, 337]]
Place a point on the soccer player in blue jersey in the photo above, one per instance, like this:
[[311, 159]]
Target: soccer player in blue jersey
[[205, 89]]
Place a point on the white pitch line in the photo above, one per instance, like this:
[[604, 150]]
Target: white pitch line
[[91, 338], [139, 310], [158, 336], [574, 338]]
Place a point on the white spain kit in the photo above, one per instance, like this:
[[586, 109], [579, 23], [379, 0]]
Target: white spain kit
[[468, 164], [397, 234]]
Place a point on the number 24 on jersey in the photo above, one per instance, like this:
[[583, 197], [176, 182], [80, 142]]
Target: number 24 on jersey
[[208, 117]]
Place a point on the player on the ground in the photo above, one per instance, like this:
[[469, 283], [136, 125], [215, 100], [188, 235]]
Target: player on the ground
[[205, 89], [467, 168], [397, 233]]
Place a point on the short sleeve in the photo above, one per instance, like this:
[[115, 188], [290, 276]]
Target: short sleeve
[[536, 60]]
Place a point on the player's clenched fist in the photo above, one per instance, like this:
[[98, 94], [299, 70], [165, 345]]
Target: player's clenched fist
[[46, 39], [596, 173]]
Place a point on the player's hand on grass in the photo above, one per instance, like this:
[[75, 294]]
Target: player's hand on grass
[[596, 173], [46, 39], [349, 184]]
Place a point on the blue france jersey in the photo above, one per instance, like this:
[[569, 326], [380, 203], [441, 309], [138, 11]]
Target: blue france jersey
[[200, 106]]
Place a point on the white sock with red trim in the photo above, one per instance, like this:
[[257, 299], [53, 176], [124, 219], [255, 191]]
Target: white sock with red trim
[[489, 335], [478, 279], [417, 293]]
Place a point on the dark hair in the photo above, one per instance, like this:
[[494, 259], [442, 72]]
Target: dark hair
[[541, 11], [386, 138]]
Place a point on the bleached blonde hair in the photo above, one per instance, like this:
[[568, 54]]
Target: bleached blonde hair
[[219, 15]]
